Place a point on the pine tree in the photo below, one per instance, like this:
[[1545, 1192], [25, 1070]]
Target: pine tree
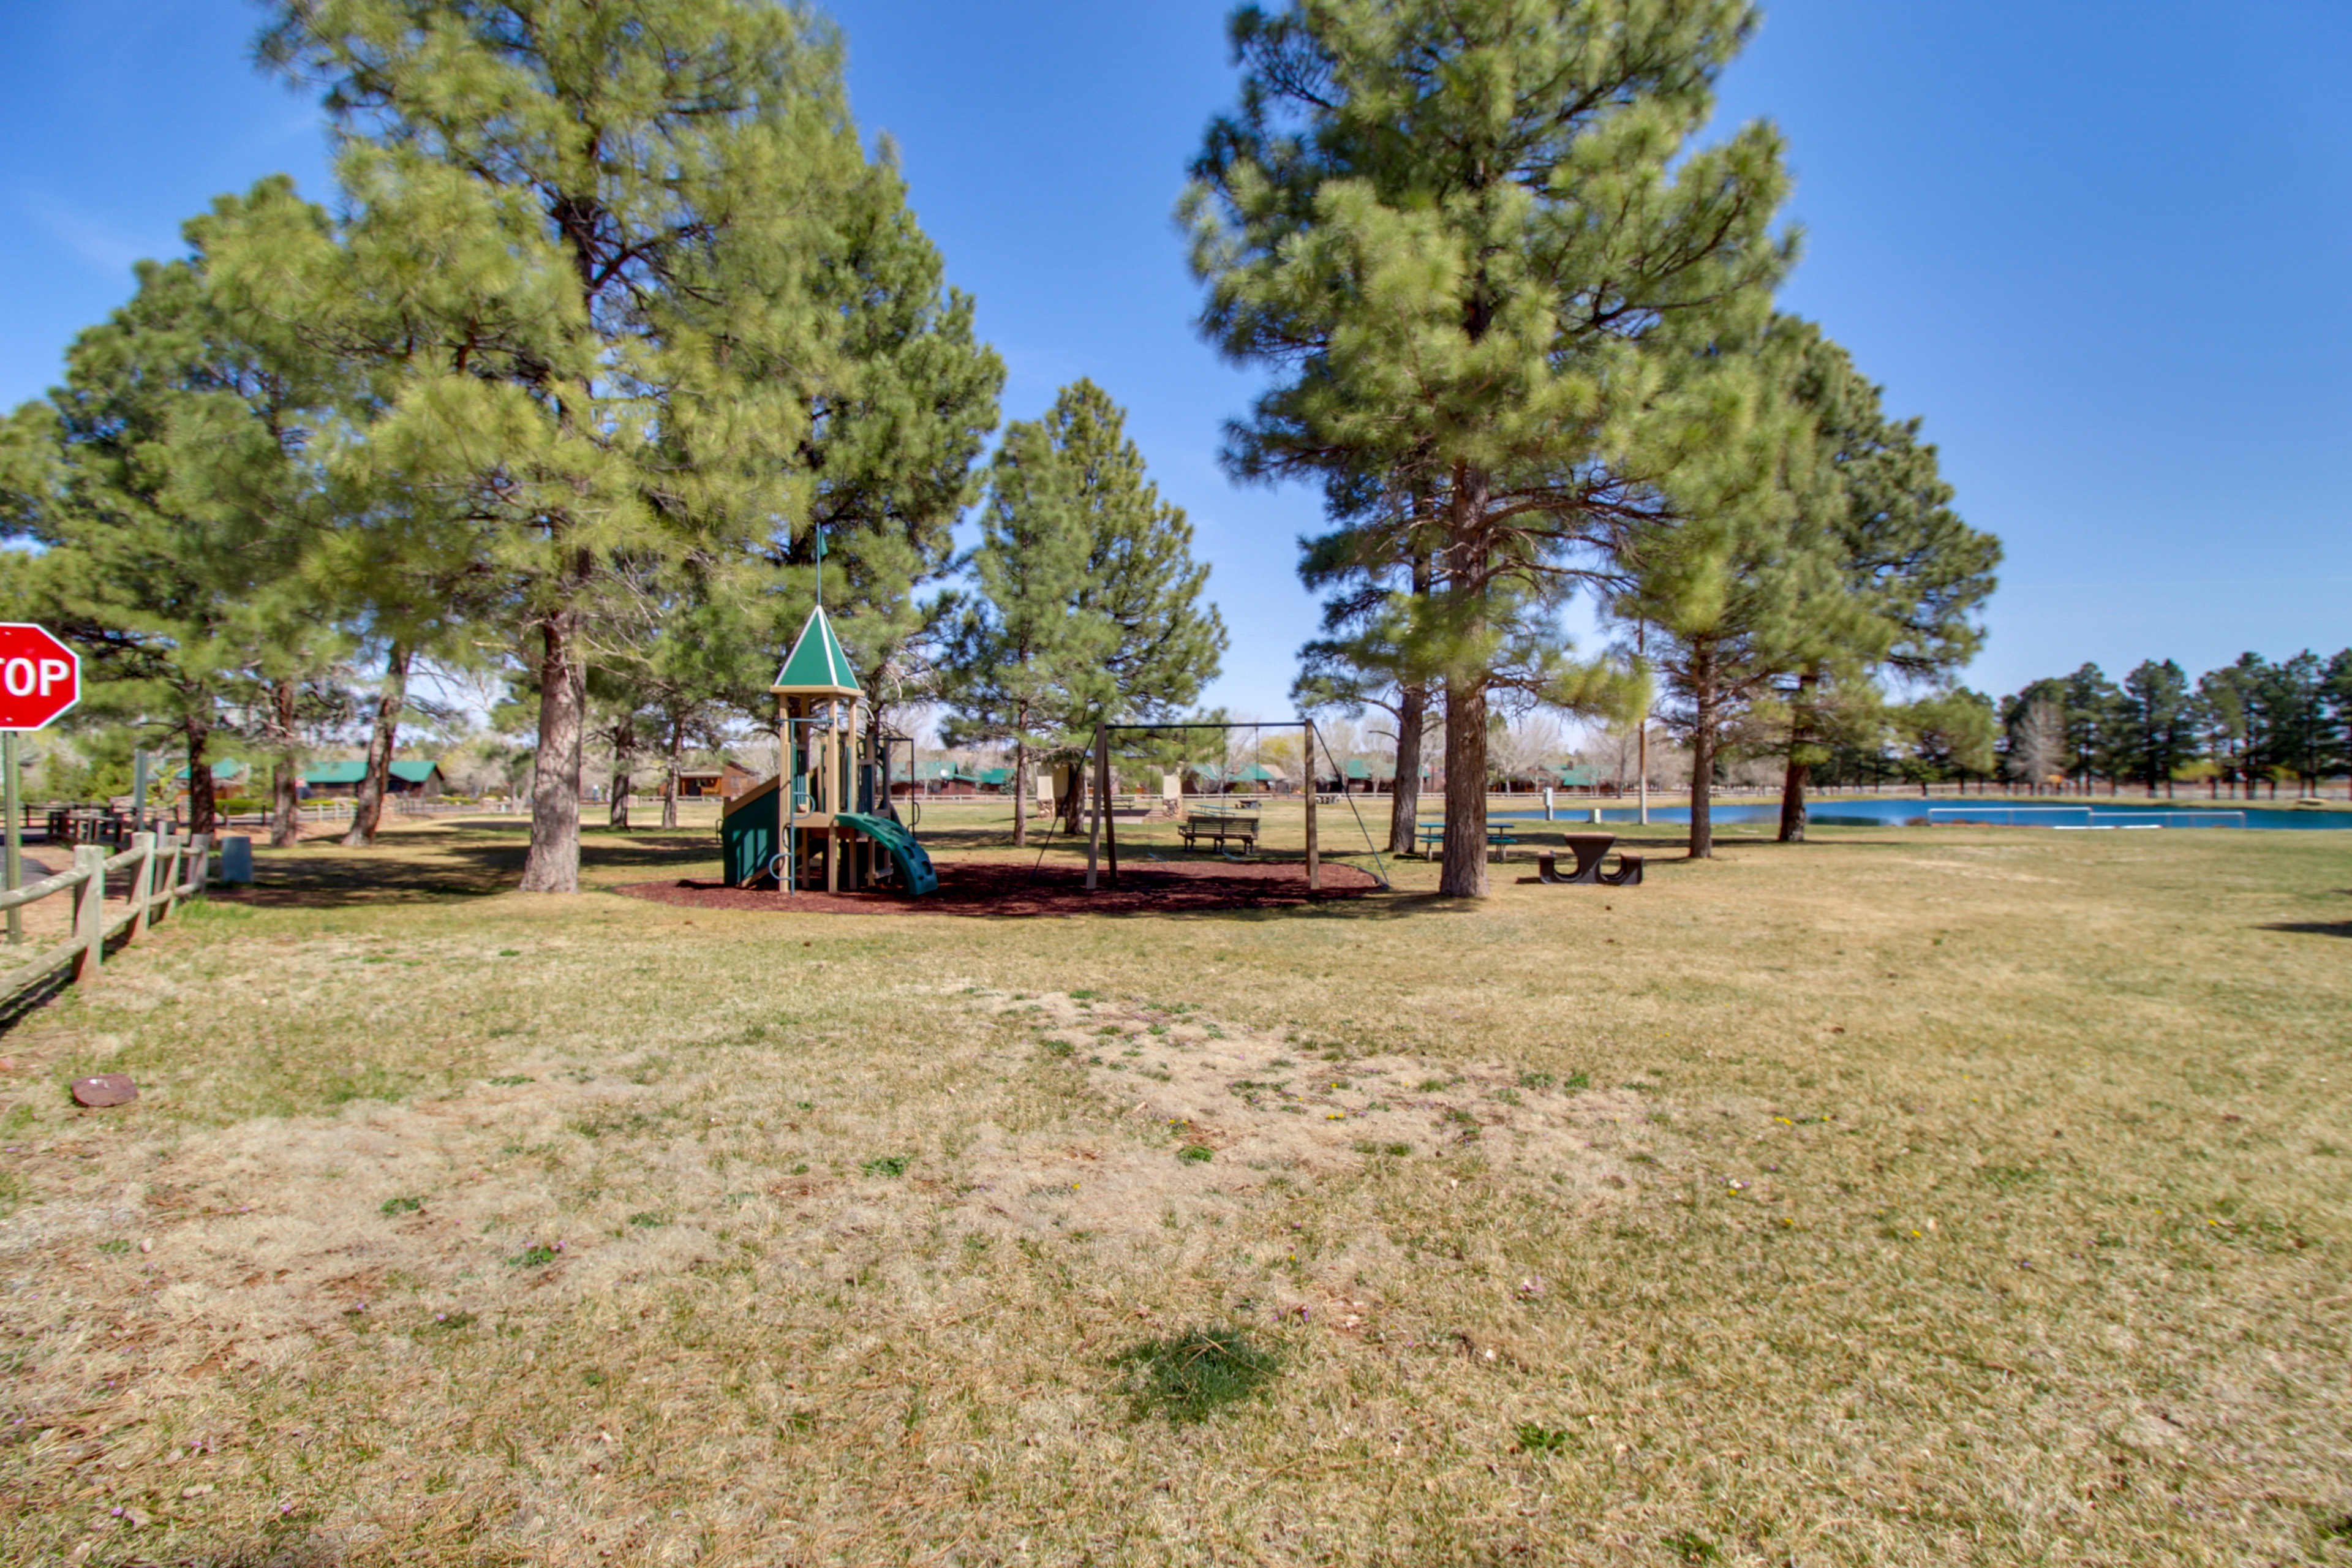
[[1473, 240], [1914, 573], [615, 262], [1088, 608], [2094, 740], [175, 488], [2156, 714], [1948, 735]]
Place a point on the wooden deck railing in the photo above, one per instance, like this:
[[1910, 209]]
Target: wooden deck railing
[[165, 868]]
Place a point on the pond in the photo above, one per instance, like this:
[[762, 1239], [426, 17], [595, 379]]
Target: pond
[[1914, 811]]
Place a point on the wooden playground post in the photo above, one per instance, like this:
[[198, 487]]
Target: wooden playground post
[[1093, 819], [1102, 790], [1314, 848], [832, 796]]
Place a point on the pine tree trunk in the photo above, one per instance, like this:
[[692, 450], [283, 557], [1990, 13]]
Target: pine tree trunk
[[1704, 702], [625, 749], [368, 810], [285, 806], [1020, 790], [1404, 795], [669, 776], [554, 863], [1412, 723], [204, 806], [1464, 874], [1800, 772], [1792, 802], [1076, 779]]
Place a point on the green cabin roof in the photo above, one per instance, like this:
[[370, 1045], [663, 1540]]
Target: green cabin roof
[[816, 663], [355, 770]]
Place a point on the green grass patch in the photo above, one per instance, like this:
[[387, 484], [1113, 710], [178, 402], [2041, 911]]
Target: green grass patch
[[1190, 1376]]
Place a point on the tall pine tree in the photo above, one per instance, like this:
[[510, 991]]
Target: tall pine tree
[[1475, 237], [1090, 606], [621, 260]]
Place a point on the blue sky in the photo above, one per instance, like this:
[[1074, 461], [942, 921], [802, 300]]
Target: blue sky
[[2107, 262]]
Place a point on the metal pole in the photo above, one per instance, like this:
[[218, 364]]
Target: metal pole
[[1314, 846], [1641, 644], [16, 822]]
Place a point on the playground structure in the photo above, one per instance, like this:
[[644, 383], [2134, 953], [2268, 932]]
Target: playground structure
[[826, 819]]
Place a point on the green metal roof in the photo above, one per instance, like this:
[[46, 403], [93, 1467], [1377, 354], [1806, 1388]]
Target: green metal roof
[[995, 775], [1578, 778], [817, 662], [224, 770], [354, 770]]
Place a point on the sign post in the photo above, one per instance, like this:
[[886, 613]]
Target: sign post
[[15, 851], [40, 680]]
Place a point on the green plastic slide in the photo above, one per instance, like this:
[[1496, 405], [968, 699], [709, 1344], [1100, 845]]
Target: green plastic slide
[[916, 877]]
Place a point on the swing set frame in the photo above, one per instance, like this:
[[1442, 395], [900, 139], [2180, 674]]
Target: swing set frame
[[1102, 834]]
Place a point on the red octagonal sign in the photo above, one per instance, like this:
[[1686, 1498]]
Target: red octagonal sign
[[40, 677]]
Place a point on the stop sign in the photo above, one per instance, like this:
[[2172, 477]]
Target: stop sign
[[40, 677]]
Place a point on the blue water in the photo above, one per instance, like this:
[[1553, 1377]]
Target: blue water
[[1913, 812]]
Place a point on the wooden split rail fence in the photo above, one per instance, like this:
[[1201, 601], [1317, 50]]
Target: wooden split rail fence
[[165, 868]]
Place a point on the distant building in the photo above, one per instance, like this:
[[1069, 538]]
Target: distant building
[[727, 781], [336, 781], [227, 774], [936, 777]]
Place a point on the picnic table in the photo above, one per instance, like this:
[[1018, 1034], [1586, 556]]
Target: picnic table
[[1591, 849], [1430, 836]]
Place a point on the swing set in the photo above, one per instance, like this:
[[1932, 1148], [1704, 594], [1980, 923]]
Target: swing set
[[1102, 833]]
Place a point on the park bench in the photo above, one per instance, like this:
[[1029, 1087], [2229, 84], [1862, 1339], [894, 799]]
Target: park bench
[[1432, 836], [1217, 827], [1591, 849]]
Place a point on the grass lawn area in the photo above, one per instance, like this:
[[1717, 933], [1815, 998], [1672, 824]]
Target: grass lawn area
[[1949, 1195]]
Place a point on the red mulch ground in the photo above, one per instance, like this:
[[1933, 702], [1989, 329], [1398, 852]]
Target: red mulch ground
[[1016, 888]]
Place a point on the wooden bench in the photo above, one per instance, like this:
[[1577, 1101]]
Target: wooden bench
[[1217, 827]]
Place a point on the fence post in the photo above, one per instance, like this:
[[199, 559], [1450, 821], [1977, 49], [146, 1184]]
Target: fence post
[[142, 882], [200, 877], [89, 910], [170, 893]]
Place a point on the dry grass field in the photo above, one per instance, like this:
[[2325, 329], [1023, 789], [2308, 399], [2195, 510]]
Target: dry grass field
[[1916, 1195]]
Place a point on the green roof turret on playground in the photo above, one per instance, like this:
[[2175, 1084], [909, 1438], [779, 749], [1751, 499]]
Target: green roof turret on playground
[[826, 820], [817, 667]]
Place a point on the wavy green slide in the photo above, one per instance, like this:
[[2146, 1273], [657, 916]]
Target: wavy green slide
[[916, 877]]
